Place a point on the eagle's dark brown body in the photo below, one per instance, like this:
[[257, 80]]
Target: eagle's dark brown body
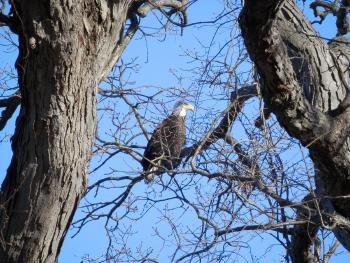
[[164, 148]]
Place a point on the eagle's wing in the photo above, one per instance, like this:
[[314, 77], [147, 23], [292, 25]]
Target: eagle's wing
[[164, 147], [154, 147]]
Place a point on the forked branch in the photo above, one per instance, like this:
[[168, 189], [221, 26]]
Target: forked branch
[[140, 9]]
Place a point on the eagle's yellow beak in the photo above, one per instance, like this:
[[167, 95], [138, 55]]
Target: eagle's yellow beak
[[189, 107]]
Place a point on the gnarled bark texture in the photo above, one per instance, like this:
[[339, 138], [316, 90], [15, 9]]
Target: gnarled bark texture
[[305, 84], [64, 48]]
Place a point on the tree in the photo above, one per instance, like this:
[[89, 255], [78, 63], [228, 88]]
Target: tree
[[65, 50], [248, 184], [236, 175], [309, 97]]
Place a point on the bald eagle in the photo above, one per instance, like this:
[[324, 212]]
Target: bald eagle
[[163, 149]]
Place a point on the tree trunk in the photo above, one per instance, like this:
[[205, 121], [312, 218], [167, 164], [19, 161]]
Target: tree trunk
[[305, 84], [65, 47]]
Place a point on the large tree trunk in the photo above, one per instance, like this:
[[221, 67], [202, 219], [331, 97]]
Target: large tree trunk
[[304, 81], [65, 47]]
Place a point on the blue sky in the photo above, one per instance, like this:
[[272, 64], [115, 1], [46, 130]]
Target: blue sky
[[158, 59]]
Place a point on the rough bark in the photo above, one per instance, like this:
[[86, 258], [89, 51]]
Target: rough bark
[[304, 235], [64, 46], [304, 84]]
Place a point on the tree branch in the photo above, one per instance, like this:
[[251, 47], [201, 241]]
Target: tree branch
[[10, 104], [338, 223], [304, 234], [142, 9], [229, 116], [339, 10], [121, 45], [329, 8], [221, 131], [8, 21], [273, 40], [281, 90], [175, 5]]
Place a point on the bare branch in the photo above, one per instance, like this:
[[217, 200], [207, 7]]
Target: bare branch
[[337, 8], [175, 5], [9, 22], [329, 8], [229, 115], [121, 45], [10, 104]]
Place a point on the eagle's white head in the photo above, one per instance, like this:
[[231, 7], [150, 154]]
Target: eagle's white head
[[181, 108]]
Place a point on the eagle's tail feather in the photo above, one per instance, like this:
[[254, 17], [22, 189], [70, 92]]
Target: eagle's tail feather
[[150, 174]]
